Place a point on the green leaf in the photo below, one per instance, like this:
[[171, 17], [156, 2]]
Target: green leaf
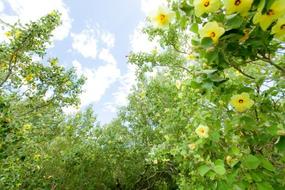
[[219, 169], [186, 8], [264, 186], [267, 165], [256, 177], [194, 42], [223, 185], [206, 42], [212, 56], [203, 170], [234, 22], [251, 162], [215, 136], [281, 144], [194, 28]]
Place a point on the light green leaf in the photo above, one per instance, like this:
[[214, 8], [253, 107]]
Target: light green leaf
[[251, 162], [219, 169], [264, 186], [203, 170], [234, 22], [267, 165], [194, 28]]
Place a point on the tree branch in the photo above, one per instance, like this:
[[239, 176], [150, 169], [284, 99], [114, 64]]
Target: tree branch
[[268, 60], [10, 68], [6, 23]]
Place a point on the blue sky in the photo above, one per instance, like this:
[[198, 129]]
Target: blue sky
[[95, 38]]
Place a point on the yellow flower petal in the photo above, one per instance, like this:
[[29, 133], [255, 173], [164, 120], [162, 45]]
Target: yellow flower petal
[[241, 102], [237, 6], [192, 146], [178, 84], [206, 6], [202, 131], [276, 10], [279, 29], [163, 17], [212, 30]]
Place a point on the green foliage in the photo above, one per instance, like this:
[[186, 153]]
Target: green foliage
[[242, 149], [183, 128]]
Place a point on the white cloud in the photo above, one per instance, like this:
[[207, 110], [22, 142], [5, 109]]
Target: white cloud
[[88, 40], [85, 43], [97, 80], [70, 110], [149, 6], [139, 41], [31, 10], [106, 56], [1, 6], [120, 97], [108, 38]]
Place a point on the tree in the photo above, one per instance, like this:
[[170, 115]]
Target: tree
[[32, 96], [218, 98]]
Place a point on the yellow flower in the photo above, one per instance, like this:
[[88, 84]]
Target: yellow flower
[[163, 17], [8, 34], [202, 131], [229, 159], [27, 127], [241, 102], [206, 6], [190, 57], [29, 77], [18, 33], [37, 157], [192, 146], [279, 29], [212, 30], [178, 84], [238, 6], [276, 10]]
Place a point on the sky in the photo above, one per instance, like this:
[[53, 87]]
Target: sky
[[95, 37]]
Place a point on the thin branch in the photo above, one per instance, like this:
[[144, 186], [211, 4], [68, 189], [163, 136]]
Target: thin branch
[[14, 56], [37, 108], [239, 70], [268, 60], [6, 23], [10, 68], [181, 67], [178, 50]]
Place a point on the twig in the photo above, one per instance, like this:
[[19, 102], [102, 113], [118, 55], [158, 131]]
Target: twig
[[178, 50], [239, 70], [6, 23], [268, 60], [10, 68]]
